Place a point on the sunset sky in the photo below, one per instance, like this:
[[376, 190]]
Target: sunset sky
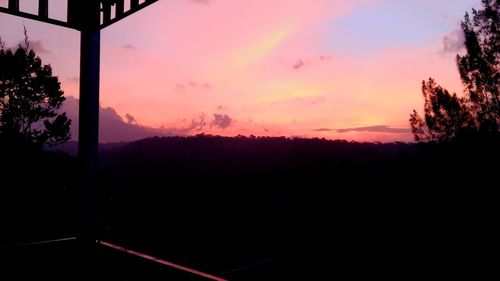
[[336, 69]]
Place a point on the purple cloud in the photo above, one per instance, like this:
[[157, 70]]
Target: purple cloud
[[112, 128], [197, 124], [221, 121], [325, 58], [195, 85], [299, 64], [130, 119], [305, 62], [376, 129], [453, 42], [74, 79], [130, 47], [207, 86]]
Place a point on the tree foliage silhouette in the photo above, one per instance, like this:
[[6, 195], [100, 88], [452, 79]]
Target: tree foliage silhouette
[[30, 96], [447, 116], [479, 68]]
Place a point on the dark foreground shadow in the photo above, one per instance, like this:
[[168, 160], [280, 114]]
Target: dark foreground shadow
[[267, 208]]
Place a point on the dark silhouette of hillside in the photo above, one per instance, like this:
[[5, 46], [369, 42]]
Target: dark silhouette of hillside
[[248, 208], [38, 192], [308, 206]]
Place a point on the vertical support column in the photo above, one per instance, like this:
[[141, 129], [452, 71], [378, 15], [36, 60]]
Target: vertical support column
[[75, 17], [106, 13], [88, 139], [43, 8], [14, 5], [120, 7], [134, 4]]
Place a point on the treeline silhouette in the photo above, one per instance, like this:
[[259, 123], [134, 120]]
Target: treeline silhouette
[[217, 203], [38, 193], [305, 208]]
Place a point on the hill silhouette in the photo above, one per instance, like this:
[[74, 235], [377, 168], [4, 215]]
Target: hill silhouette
[[307, 206], [267, 208]]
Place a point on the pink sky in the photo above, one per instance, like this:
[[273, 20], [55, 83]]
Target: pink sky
[[292, 68]]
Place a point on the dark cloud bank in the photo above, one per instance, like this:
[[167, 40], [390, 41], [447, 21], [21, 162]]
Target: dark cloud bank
[[375, 129], [113, 128]]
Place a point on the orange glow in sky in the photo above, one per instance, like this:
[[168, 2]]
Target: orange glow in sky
[[312, 68]]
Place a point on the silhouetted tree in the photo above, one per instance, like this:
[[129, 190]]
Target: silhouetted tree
[[30, 96], [479, 68], [448, 116], [445, 115]]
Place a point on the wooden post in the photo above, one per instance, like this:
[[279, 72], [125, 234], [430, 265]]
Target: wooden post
[[134, 4], [14, 5], [74, 13], [88, 135], [106, 12], [120, 7], [43, 8]]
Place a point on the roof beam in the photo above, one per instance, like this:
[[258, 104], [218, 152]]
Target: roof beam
[[43, 8], [14, 5], [36, 17], [120, 13], [77, 10]]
